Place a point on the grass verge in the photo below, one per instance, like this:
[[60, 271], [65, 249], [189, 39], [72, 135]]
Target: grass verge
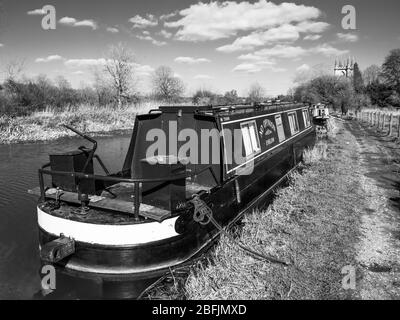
[[46, 125], [312, 224]]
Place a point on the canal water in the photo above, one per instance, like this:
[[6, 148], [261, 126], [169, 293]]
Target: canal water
[[19, 262]]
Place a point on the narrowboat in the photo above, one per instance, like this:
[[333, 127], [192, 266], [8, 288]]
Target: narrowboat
[[320, 114], [143, 220]]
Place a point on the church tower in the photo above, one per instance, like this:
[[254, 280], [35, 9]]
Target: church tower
[[344, 67]]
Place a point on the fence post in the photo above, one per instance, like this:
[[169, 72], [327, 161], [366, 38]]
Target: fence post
[[383, 122], [390, 125], [398, 126], [370, 118], [379, 121]]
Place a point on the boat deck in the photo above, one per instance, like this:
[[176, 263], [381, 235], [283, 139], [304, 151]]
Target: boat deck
[[115, 206]]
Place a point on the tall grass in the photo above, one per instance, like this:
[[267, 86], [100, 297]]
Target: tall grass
[[46, 125], [311, 225]]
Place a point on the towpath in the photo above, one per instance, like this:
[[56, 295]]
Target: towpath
[[378, 248]]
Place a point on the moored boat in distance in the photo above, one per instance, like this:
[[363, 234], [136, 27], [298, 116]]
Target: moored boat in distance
[[181, 162]]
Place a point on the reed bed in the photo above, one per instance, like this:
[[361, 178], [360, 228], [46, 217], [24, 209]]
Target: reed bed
[[46, 125]]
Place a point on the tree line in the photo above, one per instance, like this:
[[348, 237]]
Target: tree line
[[115, 83], [377, 86]]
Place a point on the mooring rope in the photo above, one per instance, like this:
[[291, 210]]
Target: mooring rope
[[202, 212], [203, 215]]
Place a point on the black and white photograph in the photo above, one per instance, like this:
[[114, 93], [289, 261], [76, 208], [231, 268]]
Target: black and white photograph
[[200, 158]]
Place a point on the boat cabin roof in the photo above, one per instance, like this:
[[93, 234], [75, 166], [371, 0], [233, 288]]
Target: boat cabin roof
[[231, 109]]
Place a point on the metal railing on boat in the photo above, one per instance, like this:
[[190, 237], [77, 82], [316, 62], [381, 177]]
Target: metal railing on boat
[[137, 182]]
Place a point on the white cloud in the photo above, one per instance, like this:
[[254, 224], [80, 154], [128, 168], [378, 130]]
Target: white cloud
[[190, 60], [1, 45], [347, 37], [168, 15], [79, 63], [76, 23], [151, 39], [247, 68], [218, 20], [50, 58], [79, 72], [279, 51], [254, 67], [140, 22], [36, 12], [303, 67], [67, 20], [143, 70], [203, 77], [139, 69], [313, 37], [165, 34], [112, 29], [283, 33], [328, 50]]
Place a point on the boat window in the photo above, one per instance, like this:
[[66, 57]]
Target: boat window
[[293, 123], [306, 117], [250, 137], [279, 128]]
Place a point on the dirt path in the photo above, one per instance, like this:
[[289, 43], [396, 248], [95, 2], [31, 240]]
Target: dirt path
[[378, 249]]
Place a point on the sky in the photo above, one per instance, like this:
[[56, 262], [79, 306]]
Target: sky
[[212, 45]]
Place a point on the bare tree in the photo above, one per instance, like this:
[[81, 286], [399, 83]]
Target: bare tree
[[371, 74], [14, 68], [102, 86], [306, 73], [120, 67], [256, 93], [166, 86]]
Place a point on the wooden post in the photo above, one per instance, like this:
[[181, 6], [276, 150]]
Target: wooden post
[[398, 126], [370, 118], [390, 125], [383, 121], [379, 121]]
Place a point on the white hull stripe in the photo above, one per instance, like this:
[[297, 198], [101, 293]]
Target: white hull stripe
[[113, 235]]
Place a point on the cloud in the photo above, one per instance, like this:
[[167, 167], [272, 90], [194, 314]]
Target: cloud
[[247, 68], [165, 34], [267, 58], [112, 29], [51, 58], [256, 67], [79, 63], [303, 67], [140, 22], [146, 37], [139, 69], [168, 15], [190, 60], [313, 37], [79, 72], [1, 45], [328, 50], [279, 51], [36, 12], [143, 70], [284, 33], [347, 37], [218, 20], [203, 77], [76, 23]]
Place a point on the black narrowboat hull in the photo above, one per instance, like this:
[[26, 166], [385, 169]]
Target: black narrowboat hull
[[119, 262]]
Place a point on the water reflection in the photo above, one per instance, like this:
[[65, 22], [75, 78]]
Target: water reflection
[[19, 262]]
